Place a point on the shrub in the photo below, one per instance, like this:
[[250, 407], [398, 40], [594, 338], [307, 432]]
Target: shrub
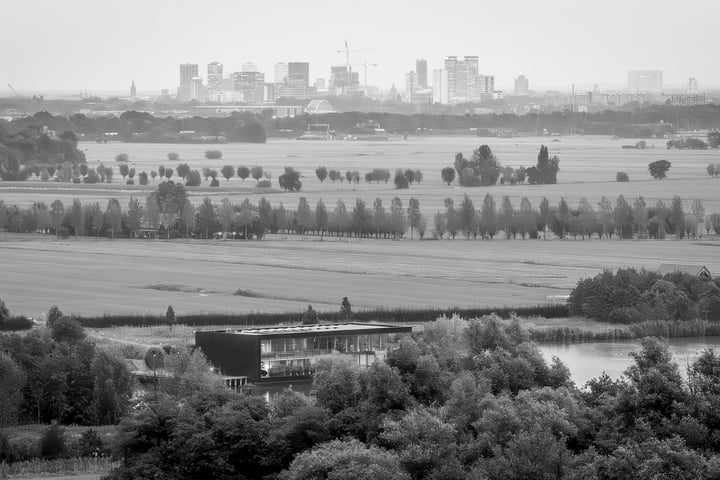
[[622, 177], [89, 445], [214, 182], [263, 184], [92, 177], [213, 154], [67, 330], [130, 181], [154, 358], [193, 179], [401, 180], [143, 178], [52, 443], [13, 324], [4, 312]]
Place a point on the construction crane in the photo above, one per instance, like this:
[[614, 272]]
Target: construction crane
[[365, 65], [346, 50]]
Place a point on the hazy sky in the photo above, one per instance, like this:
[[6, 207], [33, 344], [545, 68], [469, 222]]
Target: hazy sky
[[100, 45]]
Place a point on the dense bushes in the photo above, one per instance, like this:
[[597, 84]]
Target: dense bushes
[[629, 296], [66, 380], [398, 315]]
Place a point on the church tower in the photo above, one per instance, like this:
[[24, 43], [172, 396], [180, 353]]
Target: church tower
[[133, 90]]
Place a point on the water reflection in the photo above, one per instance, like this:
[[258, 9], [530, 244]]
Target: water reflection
[[590, 360]]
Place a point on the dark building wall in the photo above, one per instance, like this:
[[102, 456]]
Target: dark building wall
[[234, 355]]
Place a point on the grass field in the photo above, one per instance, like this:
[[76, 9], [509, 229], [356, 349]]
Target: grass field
[[93, 277], [588, 166], [96, 276]]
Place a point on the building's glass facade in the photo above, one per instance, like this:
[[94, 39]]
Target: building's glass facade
[[282, 357]]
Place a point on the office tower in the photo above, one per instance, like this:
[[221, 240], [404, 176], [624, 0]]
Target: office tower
[[188, 71], [692, 85], [251, 85], [249, 67], [461, 75], [214, 78], [320, 84], [410, 85], [522, 85], [133, 90], [440, 86], [450, 67], [645, 81], [342, 79], [281, 72], [483, 87], [298, 74], [465, 73], [198, 91], [421, 72]]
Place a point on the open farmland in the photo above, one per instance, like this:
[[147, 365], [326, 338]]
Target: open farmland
[[92, 277], [588, 166], [96, 276]]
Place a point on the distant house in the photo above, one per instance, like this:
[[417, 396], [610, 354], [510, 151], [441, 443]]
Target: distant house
[[291, 353], [700, 271]]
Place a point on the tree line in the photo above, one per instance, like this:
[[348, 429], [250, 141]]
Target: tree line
[[465, 399], [631, 296], [169, 212], [56, 374]]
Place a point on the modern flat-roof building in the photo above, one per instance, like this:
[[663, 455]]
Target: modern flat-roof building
[[188, 71], [421, 72], [522, 85], [276, 354], [298, 74]]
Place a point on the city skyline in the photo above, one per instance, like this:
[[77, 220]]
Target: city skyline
[[555, 44]]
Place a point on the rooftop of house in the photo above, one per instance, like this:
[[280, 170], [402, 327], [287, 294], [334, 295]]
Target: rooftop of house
[[666, 268], [328, 328]]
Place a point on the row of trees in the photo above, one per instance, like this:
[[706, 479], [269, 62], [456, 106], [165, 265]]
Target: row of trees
[[626, 221], [465, 399], [169, 210]]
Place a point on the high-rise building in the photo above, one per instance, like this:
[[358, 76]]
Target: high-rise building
[[198, 91], [421, 72], [465, 74], [298, 74], [249, 67], [461, 75], [281, 72], [440, 86], [133, 90], [410, 86], [450, 67], [645, 81], [522, 85], [692, 85], [188, 71], [343, 80], [251, 85], [483, 87], [214, 78]]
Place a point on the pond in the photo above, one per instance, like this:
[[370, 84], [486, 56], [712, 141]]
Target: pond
[[589, 360]]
